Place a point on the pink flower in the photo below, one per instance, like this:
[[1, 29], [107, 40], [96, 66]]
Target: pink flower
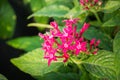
[[50, 56], [66, 57], [92, 42], [54, 24], [55, 32], [64, 47], [82, 2], [63, 44], [95, 1], [88, 4], [84, 28], [97, 43], [70, 22], [79, 47], [86, 1]]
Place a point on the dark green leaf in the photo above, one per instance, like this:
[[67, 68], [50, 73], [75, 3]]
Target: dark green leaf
[[116, 49], [7, 20], [68, 3], [26, 43], [108, 16], [116, 42], [106, 42], [117, 64], [52, 11], [59, 76], [101, 65], [75, 12], [37, 4], [3, 77], [26, 2], [111, 6], [113, 21], [34, 64]]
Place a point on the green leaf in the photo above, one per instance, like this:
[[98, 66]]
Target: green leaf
[[68, 3], [116, 42], [7, 20], [34, 64], [26, 2], [37, 4], [75, 12], [93, 77], [3, 77], [113, 21], [26, 43], [52, 11], [116, 49], [101, 65], [59, 76], [105, 41], [108, 16], [117, 64], [111, 6]]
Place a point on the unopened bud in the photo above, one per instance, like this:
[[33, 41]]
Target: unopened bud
[[99, 3]]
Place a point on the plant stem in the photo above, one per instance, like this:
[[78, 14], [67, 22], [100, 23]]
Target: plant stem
[[83, 72], [97, 17], [76, 3]]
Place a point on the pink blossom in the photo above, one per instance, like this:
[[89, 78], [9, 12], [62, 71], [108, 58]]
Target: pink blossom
[[55, 32], [70, 41], [82, 2], [66, 57], [54, 24], [95, 1], [97, 43], [84, 28], [50, 56], [79, 47], [86, 1], [92, 42], [70, 22], [88, 4]]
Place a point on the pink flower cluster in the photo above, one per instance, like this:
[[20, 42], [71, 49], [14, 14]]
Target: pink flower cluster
[[66, 43], [87, 4]]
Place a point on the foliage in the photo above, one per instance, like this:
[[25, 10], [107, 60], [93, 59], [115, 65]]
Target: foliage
[[105, 25], [3, 77], [26, 43], [7, 20]]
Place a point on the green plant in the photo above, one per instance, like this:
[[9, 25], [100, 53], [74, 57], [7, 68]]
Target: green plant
[[104, 21]]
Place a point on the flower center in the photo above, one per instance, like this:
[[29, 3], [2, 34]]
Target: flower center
[[78, 46], [65, 45], [51, 56]]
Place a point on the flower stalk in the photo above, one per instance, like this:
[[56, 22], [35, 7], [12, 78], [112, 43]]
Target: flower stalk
[[97, 17]]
